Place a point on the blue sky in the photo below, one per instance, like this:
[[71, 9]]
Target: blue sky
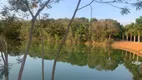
[[100, 11], [65, 9]]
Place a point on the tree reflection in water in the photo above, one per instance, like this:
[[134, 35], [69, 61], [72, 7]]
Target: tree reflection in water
[[4, 70], [6, 49], [1, 71], [107, 59], [102, 59]]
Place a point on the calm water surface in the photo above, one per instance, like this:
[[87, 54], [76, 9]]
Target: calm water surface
[[77, 62]]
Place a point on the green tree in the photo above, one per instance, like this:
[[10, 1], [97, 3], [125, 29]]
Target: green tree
[[9, 39], [29, 6], [79, 29], [138, 27], [105, 29], [130, 32]]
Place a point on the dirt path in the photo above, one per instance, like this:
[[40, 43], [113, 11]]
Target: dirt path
[[134, 47]]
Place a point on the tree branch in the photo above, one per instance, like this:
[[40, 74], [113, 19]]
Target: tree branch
[[124, 10], [113, 6], [3, 49], [113, 1], [106, 2], [30, 40], [86, 5], [42, 8], [64, 39], [29, 9], [2, 57], [26, 4]]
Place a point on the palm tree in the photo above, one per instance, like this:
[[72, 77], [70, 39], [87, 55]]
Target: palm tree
[[127, 32], [135, 32], [131, 31], [138, 27]]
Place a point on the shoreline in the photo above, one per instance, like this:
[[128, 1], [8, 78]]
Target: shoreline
[[134, 47]]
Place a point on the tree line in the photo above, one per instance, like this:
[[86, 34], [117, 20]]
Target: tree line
[[132, 32], [82, 30]]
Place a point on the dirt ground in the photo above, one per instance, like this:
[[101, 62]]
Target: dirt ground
[[129, 46]]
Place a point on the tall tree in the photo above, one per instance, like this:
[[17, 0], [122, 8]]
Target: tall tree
[[130, 31], [139, 27], [105, 29], [64, 39], [9, 39], [29, 6]]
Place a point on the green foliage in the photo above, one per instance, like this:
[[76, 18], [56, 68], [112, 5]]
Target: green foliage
[[124, 11], [139, 20], [81, 55], [139, 23], [79, 29], [10, 30], [138, 5], [105, 29], [25, 5], [54, 30], [134, 29]]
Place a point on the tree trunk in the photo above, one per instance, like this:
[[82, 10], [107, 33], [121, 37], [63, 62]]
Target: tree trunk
[[137, 58], [6, 67], [126, 53], [6, 61], [109, 36], [134, 38], [127, 37], [123, 36], [2, 57], [130, 55], [63, 41], [42, 54], [131, 37], [27, 50], [133, 55], [90, 30], [30, 36], [42, 48], [139, 36]]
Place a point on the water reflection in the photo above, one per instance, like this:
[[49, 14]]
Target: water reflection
[[106, 59], [7, 47], [4, 67], [133, 62], [98, 58]]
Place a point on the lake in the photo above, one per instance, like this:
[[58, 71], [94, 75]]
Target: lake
[[76, 62]]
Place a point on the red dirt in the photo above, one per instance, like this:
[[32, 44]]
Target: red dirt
[[128, 46]]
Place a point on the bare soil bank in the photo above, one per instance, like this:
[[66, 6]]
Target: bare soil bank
[[134, 47]]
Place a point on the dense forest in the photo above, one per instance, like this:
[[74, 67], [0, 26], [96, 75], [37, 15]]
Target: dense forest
[[82, 30]]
